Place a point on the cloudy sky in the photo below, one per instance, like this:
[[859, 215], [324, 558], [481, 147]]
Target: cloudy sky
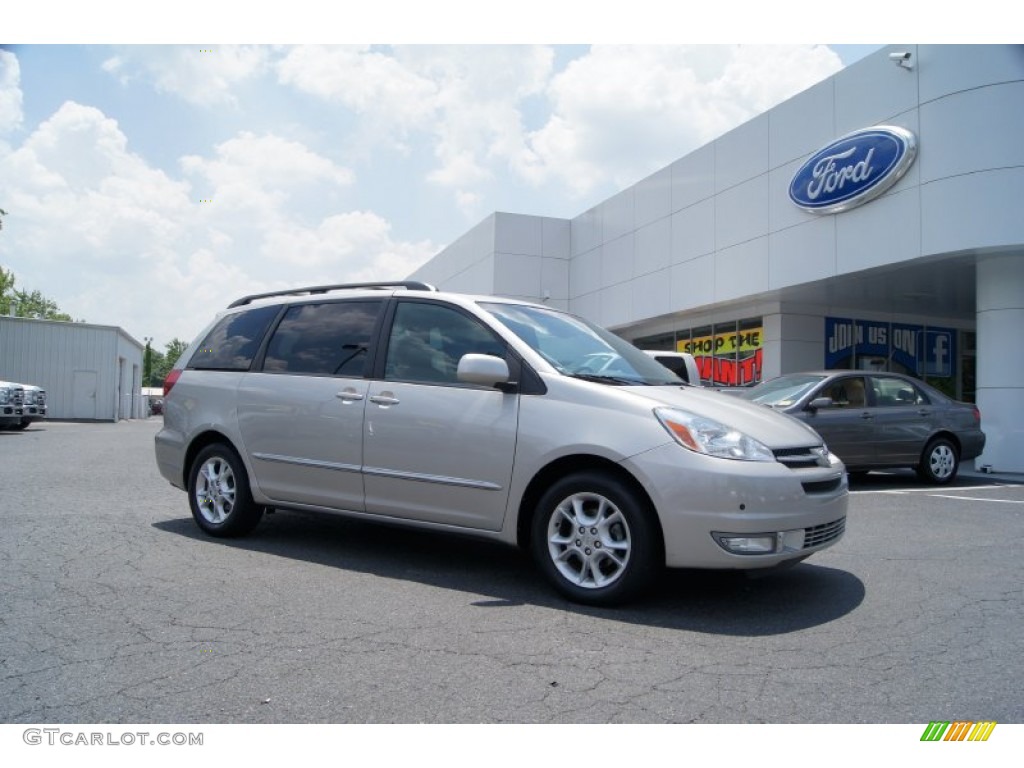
[[148, 185]]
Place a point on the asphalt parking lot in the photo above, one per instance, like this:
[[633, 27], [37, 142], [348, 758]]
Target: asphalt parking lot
[[114, 608]]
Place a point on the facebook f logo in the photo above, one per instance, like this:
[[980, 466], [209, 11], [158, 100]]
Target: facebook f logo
[[939, 353]]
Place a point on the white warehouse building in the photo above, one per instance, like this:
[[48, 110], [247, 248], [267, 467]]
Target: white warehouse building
[[90, 372], [875, 221]]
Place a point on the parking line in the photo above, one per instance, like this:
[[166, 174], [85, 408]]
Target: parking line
[[994, 486], [974, 498]]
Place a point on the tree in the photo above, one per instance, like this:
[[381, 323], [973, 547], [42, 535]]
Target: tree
[[163, 362], [25, 303]]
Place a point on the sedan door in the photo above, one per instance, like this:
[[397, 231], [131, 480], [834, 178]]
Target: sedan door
[[436, 449], [847, 425], [904, 418]]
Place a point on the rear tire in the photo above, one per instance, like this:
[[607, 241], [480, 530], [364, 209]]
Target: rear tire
[[939, 463], [596, 540], [219, 495]]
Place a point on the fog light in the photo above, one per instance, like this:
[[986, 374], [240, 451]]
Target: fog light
[[761, 544]]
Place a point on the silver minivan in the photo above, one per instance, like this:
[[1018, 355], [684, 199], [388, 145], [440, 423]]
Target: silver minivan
[[494, 417]]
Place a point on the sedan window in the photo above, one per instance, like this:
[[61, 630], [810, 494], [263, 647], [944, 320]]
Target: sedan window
[[892, 391], [846, 393]]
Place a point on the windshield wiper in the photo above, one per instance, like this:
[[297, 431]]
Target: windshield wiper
[[604, 379]]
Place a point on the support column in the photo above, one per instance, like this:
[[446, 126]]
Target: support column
[[1000, 390]]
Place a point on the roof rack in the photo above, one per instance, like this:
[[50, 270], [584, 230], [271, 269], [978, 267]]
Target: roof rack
[[412, 285]]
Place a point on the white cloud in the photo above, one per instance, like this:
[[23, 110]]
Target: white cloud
[[464, 100], [10, 92], [200, 75], [115, 241], [621, 112]]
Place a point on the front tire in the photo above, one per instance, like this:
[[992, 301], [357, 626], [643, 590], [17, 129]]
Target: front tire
[[595, 539], [939, 463], [218, 492]]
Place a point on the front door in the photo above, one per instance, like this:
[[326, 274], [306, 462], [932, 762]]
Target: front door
[[435, 449]]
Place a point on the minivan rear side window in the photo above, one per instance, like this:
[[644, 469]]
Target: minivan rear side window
[[234, 341], [328, 339]]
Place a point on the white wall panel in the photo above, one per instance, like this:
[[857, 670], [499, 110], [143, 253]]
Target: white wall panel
[[802, 254], [946, 69], [742, 154], [616, 305], [653, 247], [693, 178], [617, 260], [554, 279], [693, 231], [588, 306], [975, 130], [874, 90], [585, 231], [979, 210], [996, 330], [515, 233], [653, 197], [741, 270], [652, 295], [802, 124], [693, 282], [885, 231], [617, 215], [741, 212], [517, 275], [585, 274], [555, 243]]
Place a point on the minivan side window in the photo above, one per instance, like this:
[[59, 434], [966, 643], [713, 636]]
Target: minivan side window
[[329, 339], [428, 340], [234, 341]]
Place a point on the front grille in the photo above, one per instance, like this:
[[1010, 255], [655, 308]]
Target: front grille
[[817, 535], [803, 457]]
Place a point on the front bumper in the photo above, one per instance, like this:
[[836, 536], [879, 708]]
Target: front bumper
[[704, 503]]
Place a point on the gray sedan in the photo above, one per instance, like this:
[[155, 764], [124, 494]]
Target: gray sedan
[[879, 420]]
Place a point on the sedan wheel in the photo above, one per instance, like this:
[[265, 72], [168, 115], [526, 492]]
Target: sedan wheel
[[939, 462], [219, 493], [594, 539]]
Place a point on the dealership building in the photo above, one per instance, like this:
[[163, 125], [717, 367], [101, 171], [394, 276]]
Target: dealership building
[[873, 221]]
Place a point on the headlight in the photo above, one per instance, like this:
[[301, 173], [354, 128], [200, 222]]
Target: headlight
[[5, 395], [704, 435]]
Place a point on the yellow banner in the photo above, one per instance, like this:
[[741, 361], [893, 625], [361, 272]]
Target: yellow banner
[[747, 340]]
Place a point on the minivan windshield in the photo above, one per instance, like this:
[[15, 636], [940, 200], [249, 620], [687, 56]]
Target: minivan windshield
[[783, 391], [581, 349]]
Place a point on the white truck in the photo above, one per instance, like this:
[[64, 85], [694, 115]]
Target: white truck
[[12, 398]]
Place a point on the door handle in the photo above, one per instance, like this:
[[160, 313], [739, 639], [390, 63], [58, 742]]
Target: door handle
[[867, 415], [385, 399], [349, 396]]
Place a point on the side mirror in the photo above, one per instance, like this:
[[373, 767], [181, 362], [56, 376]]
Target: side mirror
[[819, 402], [486, 370]]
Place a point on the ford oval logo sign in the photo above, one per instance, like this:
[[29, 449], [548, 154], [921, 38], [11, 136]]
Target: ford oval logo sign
[[854, 169]]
